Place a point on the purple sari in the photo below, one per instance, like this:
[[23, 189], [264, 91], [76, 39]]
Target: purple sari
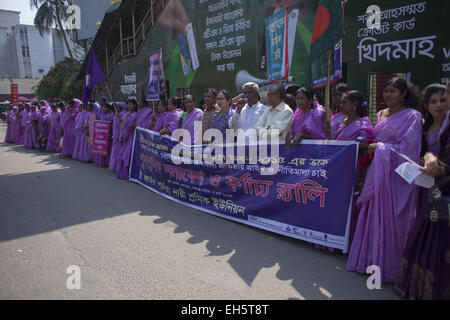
[[115, 149], [309, 122], [189, 121], [54, 136], [335, 123], [387, 203], [68, 126], [19, 129], [28, 129], [78, 131], [144, 117], [126, 145], [361, 130], [159, 124], [172, 120], [10, 131], [85, 154], [425, 265]]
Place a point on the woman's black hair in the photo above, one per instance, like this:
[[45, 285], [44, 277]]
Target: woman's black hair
[[226, 94], [411, 99], [427, 93], [164, 102], [212, 91], [134, 102], [175, 101], [361, 107], [190, 96], [306, 92], [342, 87], [291, 101]]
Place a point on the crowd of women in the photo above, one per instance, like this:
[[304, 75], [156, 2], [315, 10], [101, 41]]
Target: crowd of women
[[390, 226]]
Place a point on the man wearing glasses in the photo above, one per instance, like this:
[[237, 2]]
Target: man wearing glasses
[[277, 119]]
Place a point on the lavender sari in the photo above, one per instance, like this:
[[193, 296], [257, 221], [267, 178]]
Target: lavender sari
[[78, 131], [361, 130], [388, 204], [19, 128], [54, 136], [85, 154], [189, 121], [27, 129], [159, 124], [309, 122], [114, 159], [144, 117], [10, 132], [126, 144], [68, 126], [335, 123]]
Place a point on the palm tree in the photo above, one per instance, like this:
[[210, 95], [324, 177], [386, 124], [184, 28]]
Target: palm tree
[[50, 13]]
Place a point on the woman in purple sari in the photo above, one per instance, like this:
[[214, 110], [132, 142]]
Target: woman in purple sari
[[193, 114], [19, 129], [54, 136], [172, 119], [68, 125], [144, 115], [221, 118], [425, 265], [308, 122], [128, 125], [338, 116], [10, 120], [27, 127], [35, 115], [119, 112], [43, 127], [85, 153], [161, 114], [388, 204], [78, 131], [107, 114], [356, 126]]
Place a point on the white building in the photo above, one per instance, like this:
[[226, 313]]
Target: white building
[[24, 53]]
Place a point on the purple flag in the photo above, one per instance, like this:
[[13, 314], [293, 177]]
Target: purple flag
[[93, 77]]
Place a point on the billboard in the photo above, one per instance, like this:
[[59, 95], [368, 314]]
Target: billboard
[[413, 37], [206, 43]]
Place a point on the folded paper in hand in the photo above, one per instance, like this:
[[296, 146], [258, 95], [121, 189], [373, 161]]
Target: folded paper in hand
[[412, 172]]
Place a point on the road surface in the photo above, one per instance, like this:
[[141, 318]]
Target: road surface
[[130, 243]]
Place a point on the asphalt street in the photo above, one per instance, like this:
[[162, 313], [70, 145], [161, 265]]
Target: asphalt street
[[130, 243]]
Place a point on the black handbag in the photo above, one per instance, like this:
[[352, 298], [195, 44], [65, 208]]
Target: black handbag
[[438, 205]]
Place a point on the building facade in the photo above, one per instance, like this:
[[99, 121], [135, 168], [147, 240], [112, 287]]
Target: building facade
[[24, 53]]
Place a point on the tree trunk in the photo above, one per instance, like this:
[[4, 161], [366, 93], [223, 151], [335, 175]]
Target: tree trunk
[[61, 29]]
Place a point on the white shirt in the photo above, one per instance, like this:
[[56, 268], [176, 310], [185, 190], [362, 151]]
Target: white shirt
[[280, 118], [248, 117]]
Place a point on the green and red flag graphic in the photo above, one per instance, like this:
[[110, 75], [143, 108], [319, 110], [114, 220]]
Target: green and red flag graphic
[[328, 31]]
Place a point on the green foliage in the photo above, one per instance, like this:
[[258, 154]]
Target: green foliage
[[59, 82]]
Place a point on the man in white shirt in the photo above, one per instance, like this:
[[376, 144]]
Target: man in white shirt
[[248, 114], [278, 118]]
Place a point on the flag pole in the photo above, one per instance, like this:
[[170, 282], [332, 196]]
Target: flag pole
[[109, 92], [327, 100]]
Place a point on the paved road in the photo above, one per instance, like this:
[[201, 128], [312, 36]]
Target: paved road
[[133, 244]]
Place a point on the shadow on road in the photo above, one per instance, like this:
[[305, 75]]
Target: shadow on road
[[64, 197]]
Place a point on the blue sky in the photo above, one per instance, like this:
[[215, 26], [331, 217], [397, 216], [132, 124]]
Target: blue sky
[[26, 16]]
